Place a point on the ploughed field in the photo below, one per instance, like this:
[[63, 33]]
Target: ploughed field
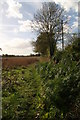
[[9, 62]]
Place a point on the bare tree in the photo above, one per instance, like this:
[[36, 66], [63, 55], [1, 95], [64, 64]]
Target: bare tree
[[48, 20]]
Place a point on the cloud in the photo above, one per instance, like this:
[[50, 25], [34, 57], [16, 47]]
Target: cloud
[[29, 14], [16, 46], [22, 45], [67, 28], [25, 25], [14, 9], [19, 46], [75, 26], [67, 5], [19, 43], [15, 30]]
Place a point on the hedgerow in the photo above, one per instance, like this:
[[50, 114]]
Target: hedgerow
[[46, 91]]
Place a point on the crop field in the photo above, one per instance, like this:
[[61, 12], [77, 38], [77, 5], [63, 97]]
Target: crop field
[[10, 62]]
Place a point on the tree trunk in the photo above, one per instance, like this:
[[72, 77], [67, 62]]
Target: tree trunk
[[52, 48], [52, 44], [62, 36]]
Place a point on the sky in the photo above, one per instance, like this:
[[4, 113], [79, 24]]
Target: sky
[[16, 18]]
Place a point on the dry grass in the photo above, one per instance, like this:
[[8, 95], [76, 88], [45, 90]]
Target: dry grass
[[9, 62], [44, 59]]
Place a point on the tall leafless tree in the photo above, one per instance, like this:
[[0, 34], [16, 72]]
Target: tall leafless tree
[[48, 20]]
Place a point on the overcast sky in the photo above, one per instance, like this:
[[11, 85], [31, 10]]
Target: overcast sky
[[15, 20]]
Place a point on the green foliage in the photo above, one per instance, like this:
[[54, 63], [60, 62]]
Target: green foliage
[[41, 45], [46, 91], [21, 89]]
